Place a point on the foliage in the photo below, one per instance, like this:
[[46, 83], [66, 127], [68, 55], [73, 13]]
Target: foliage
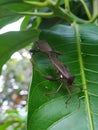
[[70, 27], [11, 78], [15, 120], [13, 92]]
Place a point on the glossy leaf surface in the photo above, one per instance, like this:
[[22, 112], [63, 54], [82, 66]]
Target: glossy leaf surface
[[79, 47]]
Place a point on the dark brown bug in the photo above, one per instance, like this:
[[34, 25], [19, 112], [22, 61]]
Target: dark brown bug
[[63, 70]]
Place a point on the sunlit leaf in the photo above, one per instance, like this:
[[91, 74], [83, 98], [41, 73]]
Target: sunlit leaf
[[13, 41], [7, 16]]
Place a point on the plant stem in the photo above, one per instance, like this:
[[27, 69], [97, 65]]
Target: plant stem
[[86, 9], [41, 14], [95, 9], [66, 15], [57, 11], [67, 6], [58, 2], [36, 4], [93, 19]]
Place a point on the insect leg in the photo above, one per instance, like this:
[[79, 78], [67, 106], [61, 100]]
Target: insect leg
[[48, 93], [70, 95], [78, 101]]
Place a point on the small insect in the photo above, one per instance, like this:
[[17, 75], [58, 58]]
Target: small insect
[[63, 70]]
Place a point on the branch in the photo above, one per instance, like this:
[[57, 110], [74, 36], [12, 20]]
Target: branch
[[86, 9], [67, 6], [58, 2], [57, 11], [67, 15], [36, 4], [41, 14], [93, 19], [95, 11]]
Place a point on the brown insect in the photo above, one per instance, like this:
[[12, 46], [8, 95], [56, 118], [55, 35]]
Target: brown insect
[[63, 70]]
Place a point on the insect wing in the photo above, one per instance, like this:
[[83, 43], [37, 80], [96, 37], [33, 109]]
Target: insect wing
[[44, 47]]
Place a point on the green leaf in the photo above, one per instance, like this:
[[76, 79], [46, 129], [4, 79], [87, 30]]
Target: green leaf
[[25, 22], [7, 16], [13, 41], [30, 23], [9, 9], [4, 2], [15, 5], [79, 47], [7, 124]]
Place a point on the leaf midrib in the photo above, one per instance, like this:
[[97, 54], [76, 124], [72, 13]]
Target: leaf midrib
[[87, 102]]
